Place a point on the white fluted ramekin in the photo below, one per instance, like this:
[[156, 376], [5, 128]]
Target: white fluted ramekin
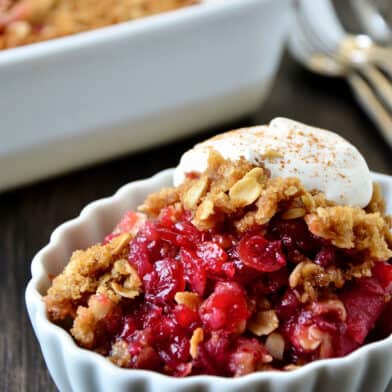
[[75, 369]]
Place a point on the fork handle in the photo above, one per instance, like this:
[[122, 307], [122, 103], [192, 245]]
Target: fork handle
[[381, 84], [372, 105], [386, 66], [382, 57]]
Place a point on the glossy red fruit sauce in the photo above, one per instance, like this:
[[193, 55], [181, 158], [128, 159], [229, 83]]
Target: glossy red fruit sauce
[[230, 273]]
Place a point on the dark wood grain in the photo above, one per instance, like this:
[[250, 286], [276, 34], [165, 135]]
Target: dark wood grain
[[28, 215]]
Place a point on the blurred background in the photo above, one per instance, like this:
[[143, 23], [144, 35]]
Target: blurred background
[[81, 116]]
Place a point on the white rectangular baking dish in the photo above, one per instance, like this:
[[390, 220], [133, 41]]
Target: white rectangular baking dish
[[80, 99]]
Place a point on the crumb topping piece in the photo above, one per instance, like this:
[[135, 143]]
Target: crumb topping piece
[[189, 299], [196, 339], [350, 227], [88, 272], [263, 323]]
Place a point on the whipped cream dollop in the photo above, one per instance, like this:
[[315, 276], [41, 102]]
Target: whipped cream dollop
[[321, 159]]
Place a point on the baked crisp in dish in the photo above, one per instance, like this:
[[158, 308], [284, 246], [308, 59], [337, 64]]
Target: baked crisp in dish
[[24, 22], [232, 271]]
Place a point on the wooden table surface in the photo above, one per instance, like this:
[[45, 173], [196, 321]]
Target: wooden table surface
[[28, 215]]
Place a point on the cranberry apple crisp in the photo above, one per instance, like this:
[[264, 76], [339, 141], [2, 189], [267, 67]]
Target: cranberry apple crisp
[[24, 22], [232, 271]]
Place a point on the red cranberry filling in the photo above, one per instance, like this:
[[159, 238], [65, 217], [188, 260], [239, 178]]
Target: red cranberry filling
[[225, 308], [262, 255], [230, 273]]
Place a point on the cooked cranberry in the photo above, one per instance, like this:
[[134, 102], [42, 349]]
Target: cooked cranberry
[[140, 347], [150, 315], [129, 326], [294, 235], [364, 302], [139, 256], [299, 331], [343, 343], [186, 317], [194, 271], [383, 272], [229, 269], [182, 370], [164, 328], [225, 308], [225, 241], [167, 234], [204, 364], [244, 274], [325, 325], [188, 231], [271, 282], [172, 342], [289, 305], [218, 346], [147, 359], [214, 258], [144, 249], [166, 279], [175, 351], [106, 328], [112, 321], [212, 255], [213, 354], [353, 255], [247, 356], [180, 234], [325, 257], [384, 323], [258, 253]]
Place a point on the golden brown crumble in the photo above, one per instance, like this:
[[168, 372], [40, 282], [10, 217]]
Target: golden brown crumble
[[155, 202], [377, 203], [196, 339], [352, 227], [291, 367], [263, 322], [310, 279], [98, 277], [24, 22], [189, 299], [241, 193], [82, 275], [275, 345], [120, 353], [87, 319], [121, 281]]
